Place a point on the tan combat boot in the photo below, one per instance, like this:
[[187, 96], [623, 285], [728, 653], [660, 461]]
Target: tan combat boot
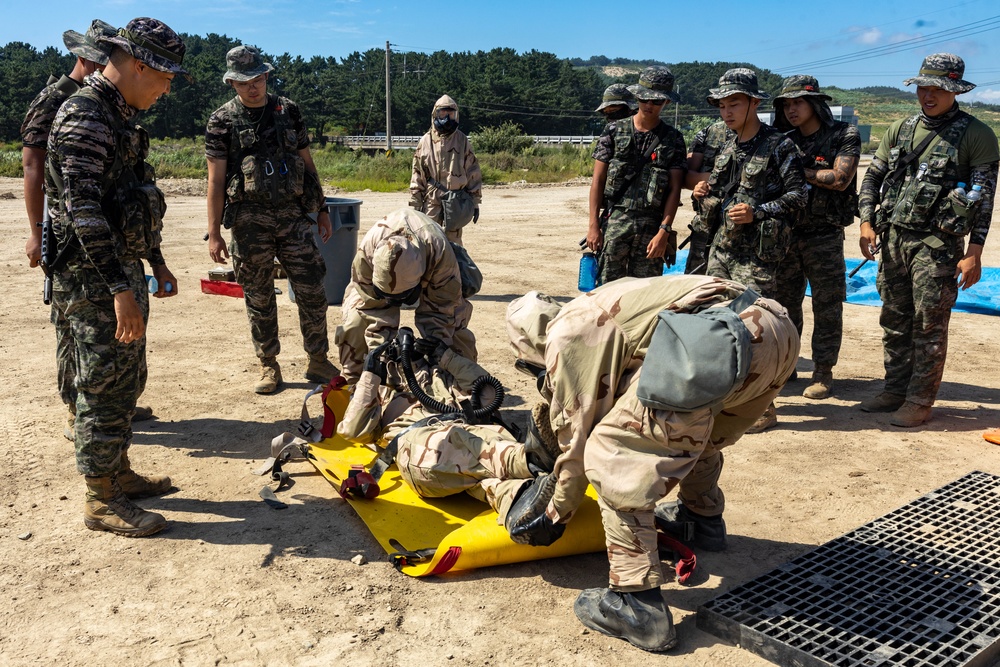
[[107, 508], [822, 383], [884, 402], [270, 376], [765, 421], [142, 413], [910, 415], [320, 370], [136, 486]]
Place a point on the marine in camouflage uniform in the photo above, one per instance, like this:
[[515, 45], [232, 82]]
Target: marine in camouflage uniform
[[758, 169], [404, 258], [262, 187], [633, 456], [700, 160], [617, 103], [95, 150], [639, 168], [90, 57], [830, 152], [921, 224]]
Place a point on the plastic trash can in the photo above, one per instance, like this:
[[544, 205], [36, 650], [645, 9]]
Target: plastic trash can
[[338, 253]]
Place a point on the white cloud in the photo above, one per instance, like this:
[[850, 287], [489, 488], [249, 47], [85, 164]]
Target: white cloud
[[987, 95], [869, 36]]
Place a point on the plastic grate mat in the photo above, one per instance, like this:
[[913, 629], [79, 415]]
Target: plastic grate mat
[[918, 586]]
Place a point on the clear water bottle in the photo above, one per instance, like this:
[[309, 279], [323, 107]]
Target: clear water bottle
[[154, 286], [959, 191], [588, 271], [922, 171], [975, 194]]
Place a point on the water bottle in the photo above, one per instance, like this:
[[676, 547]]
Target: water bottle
[[154, 286], [588, 271], [975, 194], [959, 191], [922, 171]]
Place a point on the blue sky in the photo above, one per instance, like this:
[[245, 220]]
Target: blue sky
[[786, 37]]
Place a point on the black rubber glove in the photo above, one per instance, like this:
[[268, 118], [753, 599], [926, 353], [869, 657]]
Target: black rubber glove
[[670, 256], [431, 348], [375, 363], [475, 215], [526, 521]]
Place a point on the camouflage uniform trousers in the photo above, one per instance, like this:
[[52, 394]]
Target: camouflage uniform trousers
[[626, 236], [744, 267], [260, 234], [918, 289], [445, 458], [109, 374], [354, 340], [818, 258]]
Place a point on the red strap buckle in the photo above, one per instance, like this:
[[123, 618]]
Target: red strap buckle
[[360, 484]]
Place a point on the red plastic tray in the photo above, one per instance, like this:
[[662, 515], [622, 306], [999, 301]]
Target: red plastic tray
[[223, 287]]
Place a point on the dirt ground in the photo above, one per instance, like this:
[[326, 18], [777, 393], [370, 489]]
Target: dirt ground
[[234, 582]]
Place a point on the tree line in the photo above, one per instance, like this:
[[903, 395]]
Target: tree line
[[541, 93]]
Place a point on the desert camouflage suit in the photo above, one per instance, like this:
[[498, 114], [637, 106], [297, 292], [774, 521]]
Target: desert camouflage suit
[[636, 216], [369, 321], [816, 252], [707, 143], [93, 141], [444, 457], [267, 217], [772, 182], [449, 160], [916, 281], [634, 456]]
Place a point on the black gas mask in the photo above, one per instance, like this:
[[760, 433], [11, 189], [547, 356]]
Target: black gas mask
[[445, 125], [618, 114]]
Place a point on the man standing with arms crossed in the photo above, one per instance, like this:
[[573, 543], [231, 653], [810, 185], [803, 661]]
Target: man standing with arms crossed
[[921, 224], [830, 153], [99, 287]]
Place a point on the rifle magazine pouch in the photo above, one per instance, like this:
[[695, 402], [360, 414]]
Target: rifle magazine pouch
[[694, 360], [458, 207]]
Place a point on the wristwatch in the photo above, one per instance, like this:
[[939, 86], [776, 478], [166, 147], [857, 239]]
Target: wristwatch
[[665, 228]]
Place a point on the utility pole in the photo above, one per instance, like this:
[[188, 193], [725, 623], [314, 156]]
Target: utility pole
[[677, 106], [388, 102]]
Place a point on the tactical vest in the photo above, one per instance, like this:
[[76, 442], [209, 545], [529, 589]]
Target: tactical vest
[[922, 204], [255, 171], [715, 138], [647, 193], [828, 208], [769, 238], [131, 202]]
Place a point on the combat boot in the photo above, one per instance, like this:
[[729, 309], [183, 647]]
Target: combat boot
[[320, 370], [69, 431], [108, 508], [884, 402], [136, 486], [642, 618], [540, 445], [270, 376], [910, 415], [822, 383], [142, 413], [765, 421], [702, 532]]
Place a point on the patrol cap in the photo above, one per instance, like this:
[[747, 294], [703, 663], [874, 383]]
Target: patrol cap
[[528, 320], [244, 63], [87, 45], [655, 83], [154, 43], [800, 85], [618, 94], [737, 80], [397, 265], [944, 70]]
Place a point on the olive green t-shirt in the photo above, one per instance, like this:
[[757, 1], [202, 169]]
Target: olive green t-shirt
[[978, 146]]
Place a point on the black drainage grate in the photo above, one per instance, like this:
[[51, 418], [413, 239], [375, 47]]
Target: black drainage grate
[[919, 586]]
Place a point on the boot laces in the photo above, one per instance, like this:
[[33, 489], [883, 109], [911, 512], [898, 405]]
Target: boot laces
[[120, 503]]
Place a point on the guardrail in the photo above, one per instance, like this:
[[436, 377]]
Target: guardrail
[[370, 141]]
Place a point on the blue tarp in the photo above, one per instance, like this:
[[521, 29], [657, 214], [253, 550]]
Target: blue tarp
[[982, 298]]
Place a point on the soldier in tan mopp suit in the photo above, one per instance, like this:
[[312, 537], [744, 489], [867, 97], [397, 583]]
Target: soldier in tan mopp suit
[[592, 352], [404, 258]]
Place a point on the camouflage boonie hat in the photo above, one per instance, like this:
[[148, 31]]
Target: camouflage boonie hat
[[655, 83], [800, 85], [944, 70], [154, 43], [528, 320], [737, 80], [618, 94], [397, 265], [244, 63], [87, 46]]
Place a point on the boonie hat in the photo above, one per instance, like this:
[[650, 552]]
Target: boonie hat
[[397, 265], [154, 43], [244, 63], [800, 85], [655, 83], [87, 45], [736, 80], [617, 94], [944, 70]]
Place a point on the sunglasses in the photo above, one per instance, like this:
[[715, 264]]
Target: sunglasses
[[653, 102]]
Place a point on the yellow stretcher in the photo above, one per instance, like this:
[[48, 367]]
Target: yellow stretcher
[[426, 536]]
